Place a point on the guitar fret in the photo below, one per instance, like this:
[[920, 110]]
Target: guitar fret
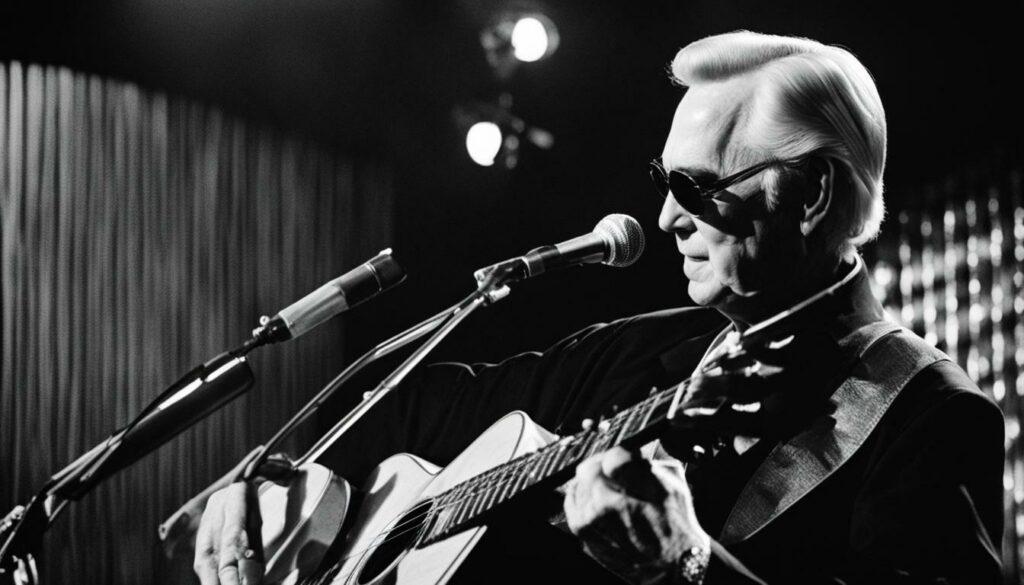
[[476, 506], [652, 404], [456, 515], [522, 478], [597, 445], [517, 478], [505, 487], [626, 430], [550, 460], [471, 498], [587, 447], [440, 514], [491, 491], [530, 472]]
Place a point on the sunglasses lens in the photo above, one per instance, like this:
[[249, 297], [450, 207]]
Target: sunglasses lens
[[659, 179], [686, 192]]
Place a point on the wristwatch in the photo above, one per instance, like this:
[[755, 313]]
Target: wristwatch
[[693, 565]]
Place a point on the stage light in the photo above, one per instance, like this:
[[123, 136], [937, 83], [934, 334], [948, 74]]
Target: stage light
[[530, 40], [517, 35], [483, 142]]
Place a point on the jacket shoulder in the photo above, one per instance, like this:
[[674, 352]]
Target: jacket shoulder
[[679, 321]]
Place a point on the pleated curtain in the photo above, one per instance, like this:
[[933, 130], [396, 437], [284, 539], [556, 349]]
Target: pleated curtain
[[141, 235]]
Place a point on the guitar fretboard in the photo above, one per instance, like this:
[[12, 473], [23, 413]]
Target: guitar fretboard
[[463, 505]]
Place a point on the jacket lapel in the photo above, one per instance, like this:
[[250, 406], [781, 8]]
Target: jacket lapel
[[797, 466]]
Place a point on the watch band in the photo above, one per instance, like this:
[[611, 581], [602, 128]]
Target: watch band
[[693, 565]]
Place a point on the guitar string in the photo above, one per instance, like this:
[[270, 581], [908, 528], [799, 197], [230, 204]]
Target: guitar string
[[405, 526], [480, 483], [416, 521], [388, 535], [481, 486], [483, 477]]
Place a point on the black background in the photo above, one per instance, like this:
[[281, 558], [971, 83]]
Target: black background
[[380, 79]]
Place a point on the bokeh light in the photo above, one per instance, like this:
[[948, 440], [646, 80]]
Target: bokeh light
[[529, 39], [483, 142]]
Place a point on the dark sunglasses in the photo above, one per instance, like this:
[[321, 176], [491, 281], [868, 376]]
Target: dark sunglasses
[[690, 195]]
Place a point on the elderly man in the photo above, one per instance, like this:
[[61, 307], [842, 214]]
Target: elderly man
[[849, 453]]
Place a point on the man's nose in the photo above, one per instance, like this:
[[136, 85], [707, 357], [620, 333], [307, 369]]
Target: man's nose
[[674, 218]]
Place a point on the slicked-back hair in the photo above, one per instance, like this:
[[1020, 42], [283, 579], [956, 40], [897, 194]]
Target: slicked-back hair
[[811, 99]]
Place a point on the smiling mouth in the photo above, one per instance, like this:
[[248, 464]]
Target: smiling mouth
[[694, 250], [694, 268]]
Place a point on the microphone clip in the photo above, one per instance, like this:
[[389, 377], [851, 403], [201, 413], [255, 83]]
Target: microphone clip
[[492, 281]]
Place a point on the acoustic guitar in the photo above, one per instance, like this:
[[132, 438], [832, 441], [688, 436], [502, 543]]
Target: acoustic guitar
[[417, 522]]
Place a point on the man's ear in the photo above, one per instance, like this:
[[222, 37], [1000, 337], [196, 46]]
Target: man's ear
[[818, 197]]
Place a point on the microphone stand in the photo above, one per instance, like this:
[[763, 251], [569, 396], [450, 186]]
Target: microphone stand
[[194, 396], [492, 287]]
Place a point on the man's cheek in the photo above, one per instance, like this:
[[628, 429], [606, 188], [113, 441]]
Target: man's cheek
[[728, 263]]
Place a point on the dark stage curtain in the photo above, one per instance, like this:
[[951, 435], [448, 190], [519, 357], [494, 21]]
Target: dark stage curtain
[[951, 267], [141, 235]]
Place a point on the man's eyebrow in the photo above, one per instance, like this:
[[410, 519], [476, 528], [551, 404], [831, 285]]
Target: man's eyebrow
[[697, 171]]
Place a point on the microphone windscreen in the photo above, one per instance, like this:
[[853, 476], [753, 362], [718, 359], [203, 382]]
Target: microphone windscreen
[[625, 238]]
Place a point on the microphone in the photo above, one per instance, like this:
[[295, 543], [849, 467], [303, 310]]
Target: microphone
[[192, 398], [213, 384], [362, 283], [617, 240]]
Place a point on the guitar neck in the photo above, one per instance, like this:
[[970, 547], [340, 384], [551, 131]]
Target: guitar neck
[[464, 505]]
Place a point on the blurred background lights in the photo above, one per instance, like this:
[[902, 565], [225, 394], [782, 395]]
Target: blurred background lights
[[483, 142], [529, 39], [515, 36], [519, 35]]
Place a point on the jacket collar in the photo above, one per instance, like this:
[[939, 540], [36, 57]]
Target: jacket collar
[[854, 319]]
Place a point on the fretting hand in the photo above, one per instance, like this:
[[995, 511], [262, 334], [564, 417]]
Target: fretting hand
[[769, 391], [634, 516]]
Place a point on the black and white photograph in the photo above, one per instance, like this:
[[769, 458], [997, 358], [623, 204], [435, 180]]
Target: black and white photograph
[[394, 292]]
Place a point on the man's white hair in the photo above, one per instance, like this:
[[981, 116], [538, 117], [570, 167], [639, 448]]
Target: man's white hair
[[811, 99]]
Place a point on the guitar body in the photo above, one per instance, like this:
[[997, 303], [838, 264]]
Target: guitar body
[[300, 521], [418, 523], [376, 548]]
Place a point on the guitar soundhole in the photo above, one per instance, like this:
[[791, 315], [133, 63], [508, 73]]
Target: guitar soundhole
[[393, 544]]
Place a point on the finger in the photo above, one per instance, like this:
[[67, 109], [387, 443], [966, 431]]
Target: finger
[[679, 503], [228, 575], [620, 524], [619, 461], [726, 421], [782, 356], [207, 540], [601, 502], [588, 469], [631, 473], [250, 571], [250, 566], [588, 493], [234, 541], [669, 467]]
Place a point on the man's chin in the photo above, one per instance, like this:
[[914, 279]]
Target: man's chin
[[707, 294]]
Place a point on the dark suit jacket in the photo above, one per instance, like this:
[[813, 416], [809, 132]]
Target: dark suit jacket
[[918, 502]]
